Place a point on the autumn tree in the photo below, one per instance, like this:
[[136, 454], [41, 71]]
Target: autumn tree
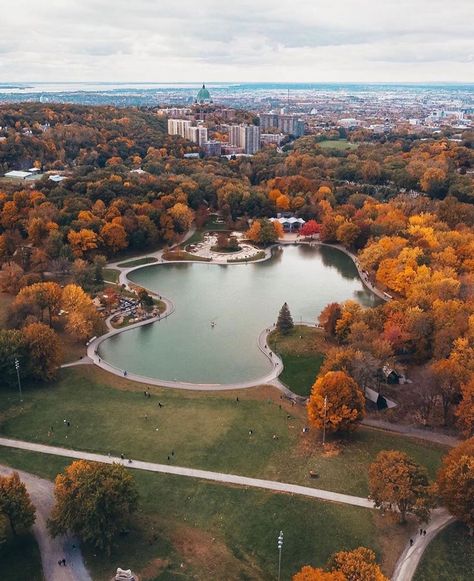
[[455, 483], [83, 241], [309, 228], [15, 503], [11, 277], [465, 410], [44, 351], [309, 573], [82, 318], [329, 317], [285, 321], [337, 402], [398, 484], [357, 565], [44, 295], [93, 501], [447, 377], [114, 236], [253, 233]]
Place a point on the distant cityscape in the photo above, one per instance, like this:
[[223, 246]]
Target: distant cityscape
[[214, 126]]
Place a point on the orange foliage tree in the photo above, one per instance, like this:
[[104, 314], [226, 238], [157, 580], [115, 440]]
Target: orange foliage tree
[[357, 565], [465, 410], [308, 573], [114, 236], [455, 483], [399, 485], [345, 403]]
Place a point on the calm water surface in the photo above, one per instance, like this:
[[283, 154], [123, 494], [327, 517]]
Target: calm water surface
[[242, 300]]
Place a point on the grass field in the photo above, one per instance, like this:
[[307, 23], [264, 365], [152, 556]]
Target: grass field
[[220, 532], [20, 559], [449, 557], [138, 262], [302, 352], [206, 430], [337, 144], [111, 275]]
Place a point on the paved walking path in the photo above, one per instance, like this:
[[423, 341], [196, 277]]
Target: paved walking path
[[411, 556], [51, 550], [193, 473], [412, 432]]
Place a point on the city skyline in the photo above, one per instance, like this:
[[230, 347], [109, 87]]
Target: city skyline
[[342, 41]]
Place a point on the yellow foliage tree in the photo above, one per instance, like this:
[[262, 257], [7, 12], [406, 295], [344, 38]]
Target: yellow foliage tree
[[83, 241], [357, 565]]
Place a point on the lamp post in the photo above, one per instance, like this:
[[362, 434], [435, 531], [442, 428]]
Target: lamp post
[[280, 546], [17, 367], [324, 419]]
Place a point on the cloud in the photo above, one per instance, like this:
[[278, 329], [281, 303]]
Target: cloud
[[299, 40]]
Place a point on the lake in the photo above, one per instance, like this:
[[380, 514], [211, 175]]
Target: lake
[[241, 300]]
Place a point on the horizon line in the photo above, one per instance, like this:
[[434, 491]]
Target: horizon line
[[247, 82]]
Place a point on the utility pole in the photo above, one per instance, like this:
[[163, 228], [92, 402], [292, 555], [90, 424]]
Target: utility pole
[[324, 418], [280, 546], [17, 367]]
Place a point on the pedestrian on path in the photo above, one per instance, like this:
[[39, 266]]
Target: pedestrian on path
[[411, 542]]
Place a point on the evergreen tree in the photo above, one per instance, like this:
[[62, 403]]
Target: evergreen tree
[[285, 320]]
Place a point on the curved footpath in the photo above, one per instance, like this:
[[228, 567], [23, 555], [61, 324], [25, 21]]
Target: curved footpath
[[234, 479], [411, 556], [51, 550]]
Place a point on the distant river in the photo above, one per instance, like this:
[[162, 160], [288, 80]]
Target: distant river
[[242, 300]]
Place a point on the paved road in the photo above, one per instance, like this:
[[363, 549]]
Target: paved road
[[193, 473], [52, 550], [411, 556]]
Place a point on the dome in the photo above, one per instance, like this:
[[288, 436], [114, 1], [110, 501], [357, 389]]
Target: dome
[[203, 96]]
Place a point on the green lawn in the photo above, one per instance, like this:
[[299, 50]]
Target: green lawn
[[302, 352], [206, 430], [337, 144], [138, 262], [111, 275], [449, 557], [217, 531], [20, 559], [300, 372]]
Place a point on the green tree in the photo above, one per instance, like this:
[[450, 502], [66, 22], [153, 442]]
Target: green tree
[[15, 503], [93, 501], [12, 346], [44, 350], [285, 320]]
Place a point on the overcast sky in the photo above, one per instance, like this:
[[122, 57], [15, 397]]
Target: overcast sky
[[242, 40]]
